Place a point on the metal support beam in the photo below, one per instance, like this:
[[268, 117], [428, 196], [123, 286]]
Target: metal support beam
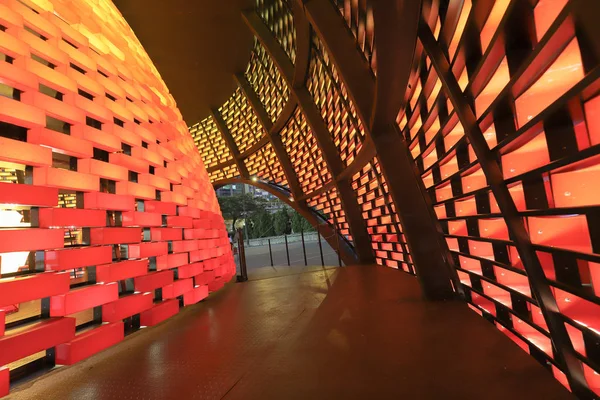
[[564, 351], [314, 119], [230, 142], [275, 140], [377, 103]]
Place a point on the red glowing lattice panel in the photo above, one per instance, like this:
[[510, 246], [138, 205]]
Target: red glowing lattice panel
[[536, 107], [103, 194]]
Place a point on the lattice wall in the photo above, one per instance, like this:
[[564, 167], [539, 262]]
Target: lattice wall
[[109, 221]]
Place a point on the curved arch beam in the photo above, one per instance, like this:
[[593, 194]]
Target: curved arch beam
[[302, 44], [565, 352], [328, 232], [358, 227]]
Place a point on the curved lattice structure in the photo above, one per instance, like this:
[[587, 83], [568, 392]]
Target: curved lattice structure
[[108, 219], [456, 140]]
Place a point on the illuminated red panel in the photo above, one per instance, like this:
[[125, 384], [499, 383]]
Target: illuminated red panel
[[136, 190], [61, 143], [215, 285], [28, 195], [61, 260], [30, 239], [15, 77], [128, 162], [489, 93], [121, 270], [108, 201], [137, 218], [12, 46], [190, 270], [24, 153], [89, 343], [159, 312], [575, 186], [565, 72], [153, 281], [179, 222], [2, 323], [160, 207], [529, 156], [162, 234], [155, 181], [592, 115], [143, 250], [195, 295], [114, 235], [178, 288], [126, 307], [566, 232], [82, 299], [545, 12], [180, 246], [71, 217], [65, 179], [19, 290], [41, 336], [4, 381], [54, 108], [102, 169], [169, 261]]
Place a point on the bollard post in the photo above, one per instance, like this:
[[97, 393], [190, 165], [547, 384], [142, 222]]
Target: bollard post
[[320, 248], [287, 250], [243, 277], [270, 252], [303, 247]]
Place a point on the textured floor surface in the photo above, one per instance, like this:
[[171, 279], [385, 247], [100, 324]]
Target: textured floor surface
[[344, 333]]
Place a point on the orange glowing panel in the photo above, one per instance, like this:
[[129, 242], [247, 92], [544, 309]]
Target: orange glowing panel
[[545, 12], [592, 116], [491, 24], [576, 186], [568, 232], [562, 75], [460, 27], [493, 228], [531, 155], [491, 90], [517, 194]]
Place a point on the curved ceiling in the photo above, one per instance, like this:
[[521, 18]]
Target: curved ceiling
[[196, 46]]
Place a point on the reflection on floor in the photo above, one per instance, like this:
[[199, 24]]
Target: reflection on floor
[[346, 333]]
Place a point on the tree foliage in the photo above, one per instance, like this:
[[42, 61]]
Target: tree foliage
[[299, 223], [260, 224], [281, 222], [240, 206]]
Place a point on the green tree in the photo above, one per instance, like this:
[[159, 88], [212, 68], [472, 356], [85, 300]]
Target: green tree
[[299, 223], [240, 206], [281, 222], [262, 224]]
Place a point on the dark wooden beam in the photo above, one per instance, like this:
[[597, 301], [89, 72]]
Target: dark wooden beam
[[565, 353], [352, 210], [233, 148], [377, 103], [275, 140]]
